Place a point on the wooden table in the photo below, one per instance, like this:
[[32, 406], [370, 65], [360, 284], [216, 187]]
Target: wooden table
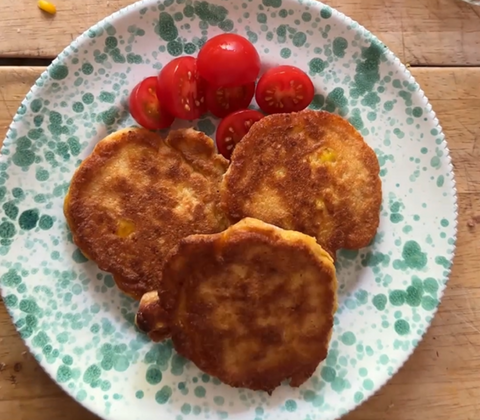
[[440, 39]]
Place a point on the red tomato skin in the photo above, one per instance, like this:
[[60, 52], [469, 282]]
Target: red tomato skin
[[181, 89], [279, 80], [228, 60], [226, 139], [138, 112], [241, 96]]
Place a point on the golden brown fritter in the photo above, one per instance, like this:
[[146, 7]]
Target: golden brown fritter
[[136, 196], [151, 318], [252, 305], [308, 171]]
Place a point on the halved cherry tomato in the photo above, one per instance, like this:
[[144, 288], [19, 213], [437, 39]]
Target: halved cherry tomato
[[146, 108], [284, 89], [228, 60], [181, 89], [225, 100], [233, 128]]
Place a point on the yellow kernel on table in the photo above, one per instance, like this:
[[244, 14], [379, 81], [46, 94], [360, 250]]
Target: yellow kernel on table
[[47, 7]]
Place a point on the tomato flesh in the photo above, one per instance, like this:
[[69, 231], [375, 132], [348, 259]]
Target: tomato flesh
[[181, 89], [145, 107], [222, 101], [284, 89], [228, 60], [233, 128]]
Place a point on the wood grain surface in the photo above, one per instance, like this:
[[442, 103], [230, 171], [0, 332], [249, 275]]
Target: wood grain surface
[[441, 381], [426, 32]]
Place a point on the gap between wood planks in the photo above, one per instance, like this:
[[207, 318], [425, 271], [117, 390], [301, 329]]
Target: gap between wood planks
[[44, 62], [25, 62]]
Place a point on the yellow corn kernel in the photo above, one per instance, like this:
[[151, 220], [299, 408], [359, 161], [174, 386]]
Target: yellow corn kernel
[[319, 204], [125, 228], [328, 155], [47, 7], [319, 158]]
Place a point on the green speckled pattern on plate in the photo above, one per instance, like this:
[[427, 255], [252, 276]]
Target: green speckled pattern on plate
[[80, 327]]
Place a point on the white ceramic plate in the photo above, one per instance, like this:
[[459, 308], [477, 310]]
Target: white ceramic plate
[[80, 327]]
